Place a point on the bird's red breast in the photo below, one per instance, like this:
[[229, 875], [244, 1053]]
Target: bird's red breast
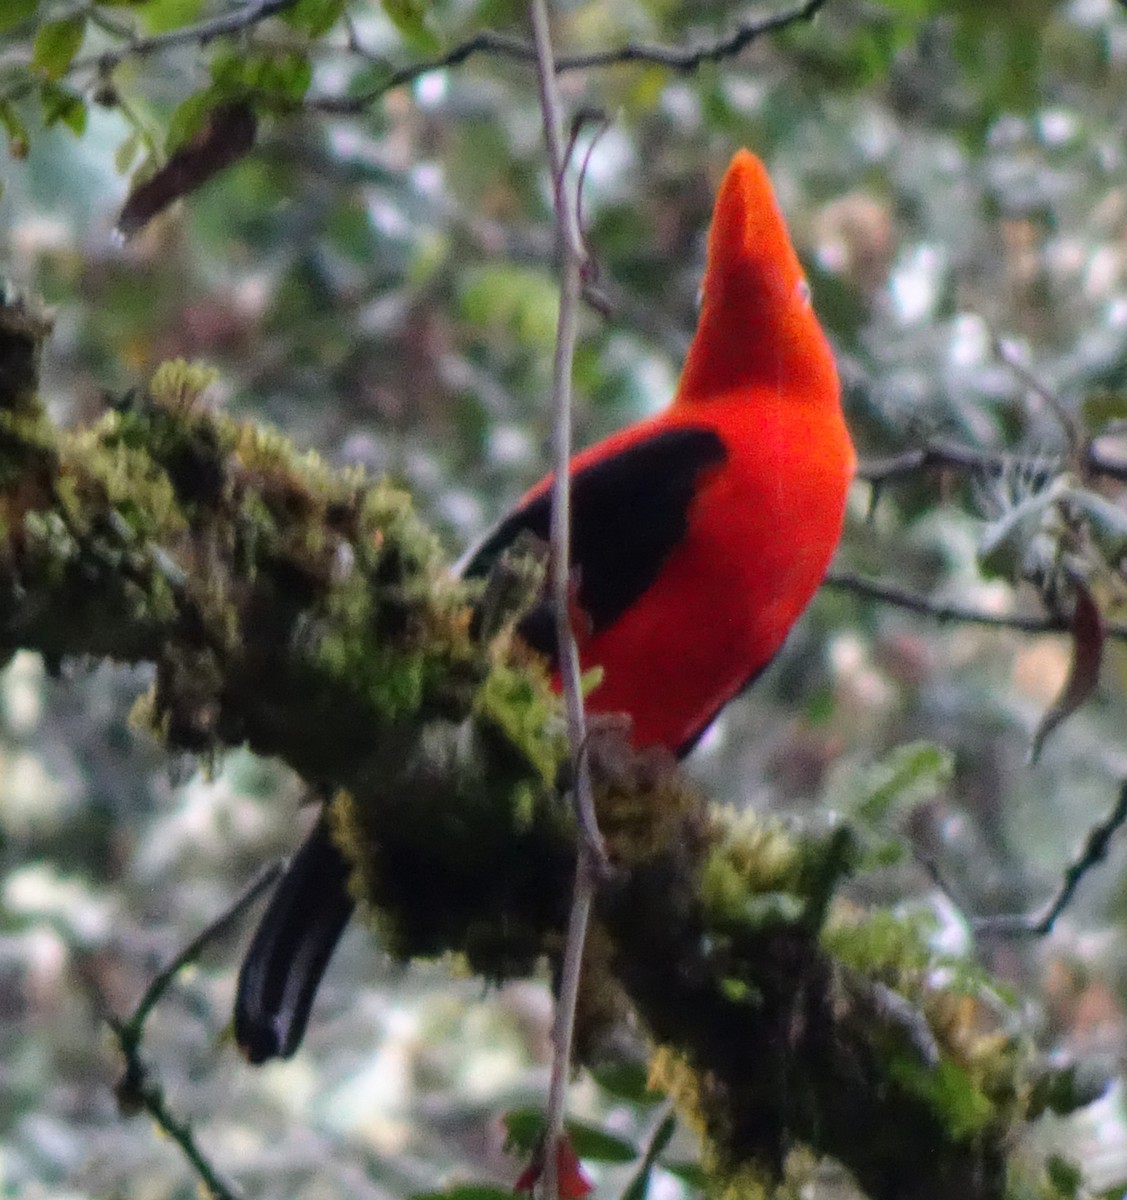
[[762, 523]]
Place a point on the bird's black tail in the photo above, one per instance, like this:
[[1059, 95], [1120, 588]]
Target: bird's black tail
[[291, 949]]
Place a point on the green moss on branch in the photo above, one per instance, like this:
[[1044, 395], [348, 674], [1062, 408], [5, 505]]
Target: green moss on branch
[[308, 613]]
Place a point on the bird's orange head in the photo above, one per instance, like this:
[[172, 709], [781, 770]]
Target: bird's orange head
[[757, 329]]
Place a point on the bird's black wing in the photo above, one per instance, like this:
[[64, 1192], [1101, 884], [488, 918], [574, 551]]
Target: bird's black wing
[[629, 512]]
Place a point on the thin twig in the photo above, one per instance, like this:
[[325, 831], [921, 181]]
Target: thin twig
[[200, 942], [1073, 431], [953, 456], [572, 255], [136, 1090], [201, 33], [925, 606], [1094, 851], [689, 58], [97, 15], [938, 454], [487, 41], [590, 856], [678, 58]]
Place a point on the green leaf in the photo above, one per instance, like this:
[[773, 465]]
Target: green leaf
[[1100, 408], [314, 17], [639, 1185], [884, 942], [902, 780], [286, 76], [591, 679], [228, 69], [952, 1093], [523, 1127], [1064, 1175], [159, 16], [1063, 1090], [691, 1173], [16, 129], [188, 118], [967, 1108], [596, 1145], [467, 1191], [13, 12], [61, 104], [662, 1137], [627, 1081], [410, 18], [511, 299], [281, 77], [56, 44], [884, 852], [126, 152], [820, 705]]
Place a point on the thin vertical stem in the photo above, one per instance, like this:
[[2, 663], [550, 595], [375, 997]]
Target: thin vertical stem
[[571, 256]]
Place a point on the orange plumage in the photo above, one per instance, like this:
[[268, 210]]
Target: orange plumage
[[698, 537], [762, 525]]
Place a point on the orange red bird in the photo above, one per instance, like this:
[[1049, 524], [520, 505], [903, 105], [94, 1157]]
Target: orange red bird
[[699, 536]]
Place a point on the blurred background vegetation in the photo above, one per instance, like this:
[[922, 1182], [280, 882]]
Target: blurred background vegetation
[[376, 278]]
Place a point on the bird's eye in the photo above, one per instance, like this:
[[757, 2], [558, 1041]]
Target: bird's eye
[[803, 289]]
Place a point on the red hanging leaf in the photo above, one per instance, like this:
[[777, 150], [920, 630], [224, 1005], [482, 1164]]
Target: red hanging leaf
[[571, 1179], [1083, 672]]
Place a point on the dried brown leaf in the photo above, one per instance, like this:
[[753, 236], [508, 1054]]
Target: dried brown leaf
[[227, 134]]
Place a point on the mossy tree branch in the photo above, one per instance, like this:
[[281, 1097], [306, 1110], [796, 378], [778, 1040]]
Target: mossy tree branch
[[308, 613]]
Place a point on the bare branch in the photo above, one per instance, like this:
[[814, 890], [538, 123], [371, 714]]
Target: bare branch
[[572, 256], [944, 613], [1093, 853], [690, 58], [236, 21], [678, 58], [136, 1090], [887, 593], [937, 454], [501, 45], [954, 456]]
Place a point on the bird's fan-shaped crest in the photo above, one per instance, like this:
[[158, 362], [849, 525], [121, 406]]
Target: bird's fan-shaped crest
[[757, 328]]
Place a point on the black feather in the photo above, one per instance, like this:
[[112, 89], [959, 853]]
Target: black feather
[[629, 512], [291, 948]]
